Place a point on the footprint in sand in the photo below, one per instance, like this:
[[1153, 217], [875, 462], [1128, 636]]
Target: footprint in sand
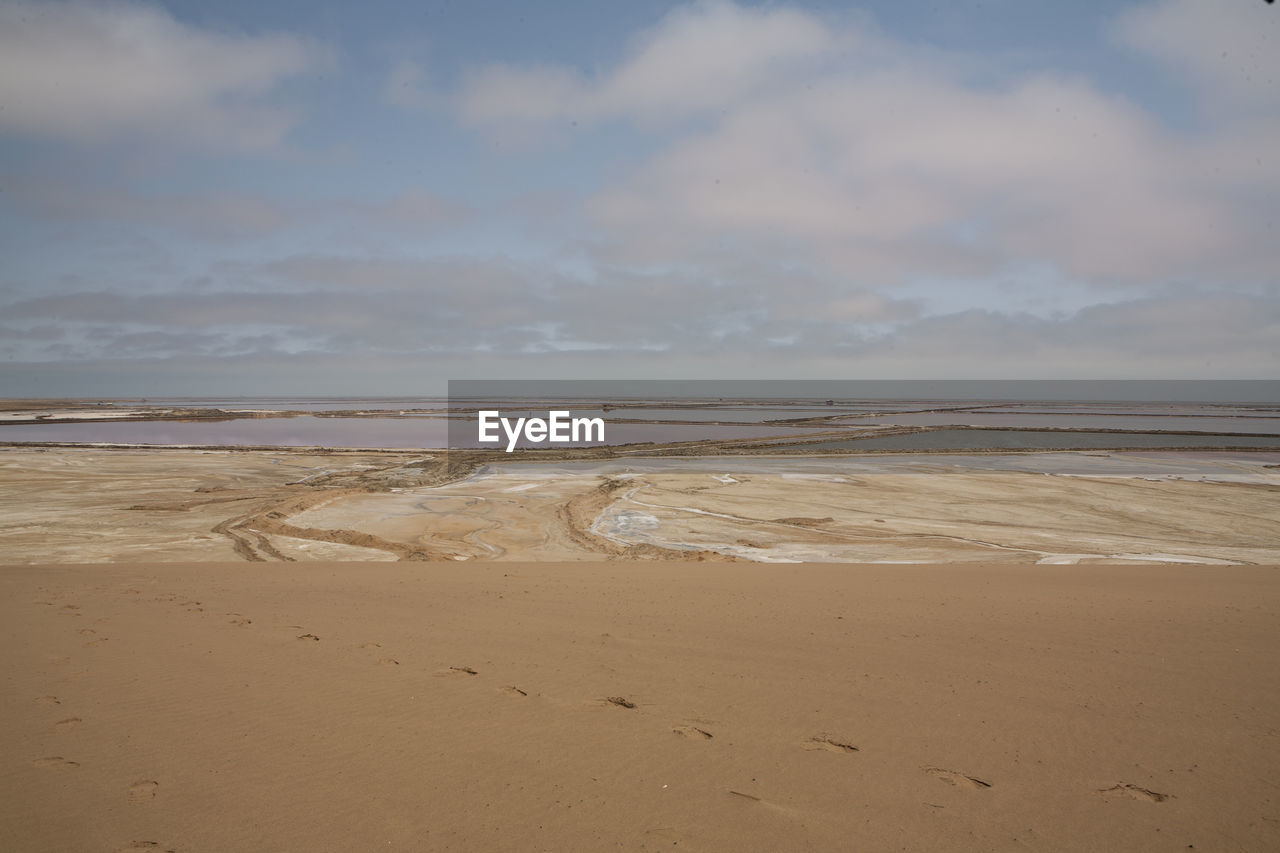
[[693, 732], [456, 670], [87, 631], [67, 725], [1124, 789], [137, 846], [669, 833], [760, 802], [55, 762], [69, 610], [960, 780], [241, 621], [143, 791], [514, 691], [828, 744], [371, 645], [48, 701], [309, 637], [388, 662]]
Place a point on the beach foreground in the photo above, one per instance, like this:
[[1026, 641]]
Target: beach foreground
[[639, 705]]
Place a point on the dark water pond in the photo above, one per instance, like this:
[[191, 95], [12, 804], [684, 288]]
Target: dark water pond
[[994, 439], [1072, 420]]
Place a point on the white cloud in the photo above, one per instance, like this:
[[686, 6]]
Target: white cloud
[[710, 54], [88, 71], [831, 145], [502, 94], [1229, 51], [697, 59], [886, 177]]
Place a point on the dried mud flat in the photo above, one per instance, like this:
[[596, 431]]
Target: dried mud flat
[[80, 505], [639, 705]]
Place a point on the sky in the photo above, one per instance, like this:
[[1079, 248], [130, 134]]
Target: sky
[[332, 198]]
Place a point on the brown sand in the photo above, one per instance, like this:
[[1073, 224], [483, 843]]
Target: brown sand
[[639, 706]]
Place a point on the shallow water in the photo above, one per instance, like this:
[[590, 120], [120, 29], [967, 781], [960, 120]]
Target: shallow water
[[1234, 466], [299, 404], [712, 420], [996, 439], [307, 431], [707, 414], [1073, 420]]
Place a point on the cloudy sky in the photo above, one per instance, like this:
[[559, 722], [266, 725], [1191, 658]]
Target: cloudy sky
[[326, 197]]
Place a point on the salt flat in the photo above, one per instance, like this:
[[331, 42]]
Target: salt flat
[[96, 505]]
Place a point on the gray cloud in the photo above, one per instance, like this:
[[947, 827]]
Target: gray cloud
[[225, 216], [1194, 334], [211, 216], [503, 310], [1097, 343], [348, 304]]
